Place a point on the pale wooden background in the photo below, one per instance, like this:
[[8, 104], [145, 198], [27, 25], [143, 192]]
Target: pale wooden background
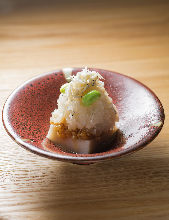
[[131, 37]]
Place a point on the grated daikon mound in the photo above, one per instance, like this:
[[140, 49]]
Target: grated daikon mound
[[98, 118]]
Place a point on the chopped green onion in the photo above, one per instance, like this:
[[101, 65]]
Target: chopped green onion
[[63, 87], [89, 98]]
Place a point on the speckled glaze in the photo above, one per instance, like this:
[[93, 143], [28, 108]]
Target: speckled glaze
[[27, 112]]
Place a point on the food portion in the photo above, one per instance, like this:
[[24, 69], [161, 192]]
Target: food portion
[[84, 121]]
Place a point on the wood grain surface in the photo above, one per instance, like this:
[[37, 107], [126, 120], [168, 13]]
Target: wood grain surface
[[131, 37]]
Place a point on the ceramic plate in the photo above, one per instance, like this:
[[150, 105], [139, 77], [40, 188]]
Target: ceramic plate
[[27, 113]]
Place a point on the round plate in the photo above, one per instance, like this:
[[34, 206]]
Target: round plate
[[27, 112]]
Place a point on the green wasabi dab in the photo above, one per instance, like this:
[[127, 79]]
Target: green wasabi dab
[[89, 98]]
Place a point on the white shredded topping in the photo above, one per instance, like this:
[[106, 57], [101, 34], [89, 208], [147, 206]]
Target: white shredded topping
[[67, 73], [99, 117]]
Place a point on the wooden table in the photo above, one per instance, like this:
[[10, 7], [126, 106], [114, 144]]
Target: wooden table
[[131, 37]]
